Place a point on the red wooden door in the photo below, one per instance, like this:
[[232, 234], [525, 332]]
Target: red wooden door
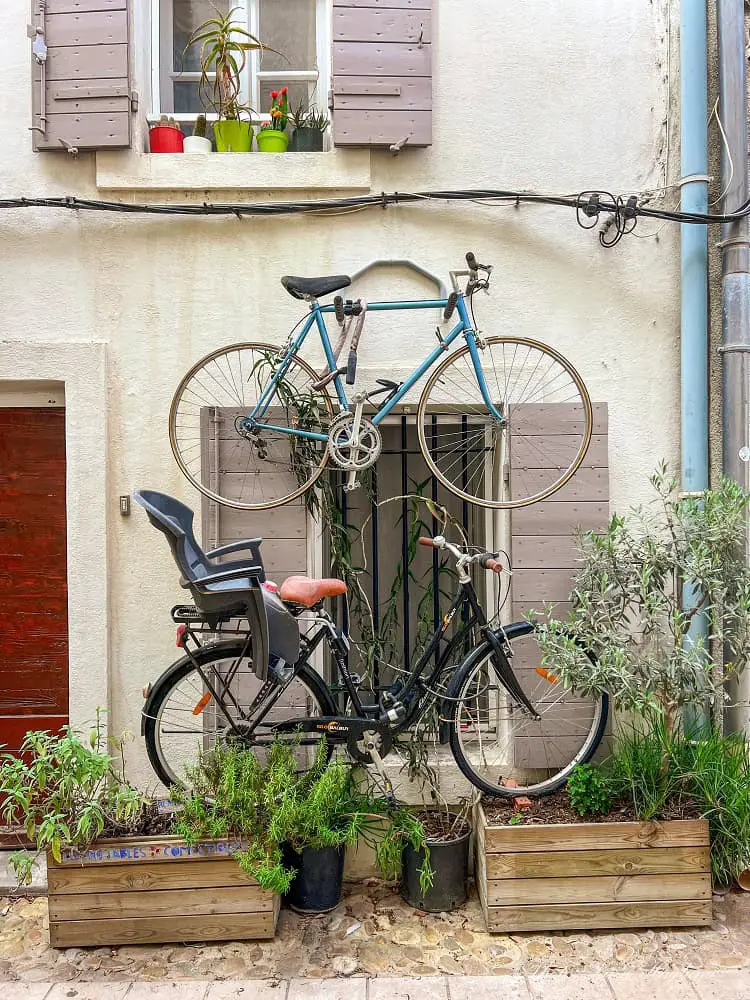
[[33, 572]]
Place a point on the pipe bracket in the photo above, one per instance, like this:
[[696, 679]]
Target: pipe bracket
[[735, 348], [693, 179]]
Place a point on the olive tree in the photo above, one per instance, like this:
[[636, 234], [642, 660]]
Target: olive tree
[[640, 585]]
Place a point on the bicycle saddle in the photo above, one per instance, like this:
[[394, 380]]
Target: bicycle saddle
[[309, 592], [303, 288]]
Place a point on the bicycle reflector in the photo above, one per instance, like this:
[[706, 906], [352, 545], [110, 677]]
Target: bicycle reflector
[[546, 675], [180, 633], [202, 703]]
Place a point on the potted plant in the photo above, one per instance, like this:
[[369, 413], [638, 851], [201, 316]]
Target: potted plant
[[272, 138], [197, 142], [223, 55], [309, 125], [645, 832], [166, 136], [106, 843]]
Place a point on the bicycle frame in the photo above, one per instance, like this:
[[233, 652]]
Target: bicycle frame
[[316, 318]]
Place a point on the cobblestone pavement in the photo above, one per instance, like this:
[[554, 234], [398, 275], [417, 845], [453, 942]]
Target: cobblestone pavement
[[374, 933]]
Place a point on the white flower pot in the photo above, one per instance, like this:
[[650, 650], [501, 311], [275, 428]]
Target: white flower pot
[[197, 144]]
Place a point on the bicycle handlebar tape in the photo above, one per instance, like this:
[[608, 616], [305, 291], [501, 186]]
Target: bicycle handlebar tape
[[351, 368]]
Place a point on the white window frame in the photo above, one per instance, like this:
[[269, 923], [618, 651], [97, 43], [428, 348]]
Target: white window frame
[[251, 89]]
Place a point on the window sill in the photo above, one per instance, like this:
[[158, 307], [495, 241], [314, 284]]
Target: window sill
[[336, 170]]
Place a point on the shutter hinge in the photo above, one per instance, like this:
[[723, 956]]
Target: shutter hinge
[[133, 100], [330, 99], [396, 147]]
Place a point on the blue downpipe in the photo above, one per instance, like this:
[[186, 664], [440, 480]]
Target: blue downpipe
[[694, 270]]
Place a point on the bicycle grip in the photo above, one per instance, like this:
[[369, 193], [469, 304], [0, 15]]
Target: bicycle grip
[[471, 261], [494, 565], [427, 541]]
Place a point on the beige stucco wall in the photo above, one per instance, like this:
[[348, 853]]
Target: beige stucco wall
[[555, 96]]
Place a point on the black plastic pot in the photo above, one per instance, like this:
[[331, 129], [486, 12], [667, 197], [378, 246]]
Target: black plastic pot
[[306, 140], [317, 885], [450, 863]]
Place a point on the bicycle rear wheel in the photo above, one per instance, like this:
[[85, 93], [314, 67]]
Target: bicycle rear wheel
[[534, 448], [182, 719], [494, 740], [226, 461]]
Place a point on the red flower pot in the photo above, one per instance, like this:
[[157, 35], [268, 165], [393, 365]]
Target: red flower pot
[[165, 139]]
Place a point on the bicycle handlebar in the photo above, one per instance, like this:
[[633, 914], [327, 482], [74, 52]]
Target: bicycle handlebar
[[487, 560]]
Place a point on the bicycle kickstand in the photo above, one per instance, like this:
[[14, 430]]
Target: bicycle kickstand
[[380, 768]]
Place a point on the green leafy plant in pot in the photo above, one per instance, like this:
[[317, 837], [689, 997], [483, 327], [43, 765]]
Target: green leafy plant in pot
[[272, 137], [309, 125], [223, 48]]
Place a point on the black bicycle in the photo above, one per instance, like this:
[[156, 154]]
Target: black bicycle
[[512, 726]]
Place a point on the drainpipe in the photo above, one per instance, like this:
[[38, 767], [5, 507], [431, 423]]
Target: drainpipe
[[694, 267], [735, 286]]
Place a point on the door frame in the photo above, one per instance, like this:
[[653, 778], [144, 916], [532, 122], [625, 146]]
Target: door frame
[[81, 368]]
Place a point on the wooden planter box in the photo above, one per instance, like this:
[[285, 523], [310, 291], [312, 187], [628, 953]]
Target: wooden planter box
[[152, 890], [586, 875]]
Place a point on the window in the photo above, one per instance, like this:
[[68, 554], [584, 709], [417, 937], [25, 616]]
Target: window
[[297, 29]]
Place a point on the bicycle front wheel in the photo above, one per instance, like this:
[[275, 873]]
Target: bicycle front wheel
[[182, 719], [237, 465], [521, 448], [494, 739]]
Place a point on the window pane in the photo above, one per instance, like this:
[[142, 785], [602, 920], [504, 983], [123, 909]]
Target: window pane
[[289, 27], [186, 98], [187, 15], [300, 92]]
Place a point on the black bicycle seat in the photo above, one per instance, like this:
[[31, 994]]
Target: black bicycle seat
[[304, 288]]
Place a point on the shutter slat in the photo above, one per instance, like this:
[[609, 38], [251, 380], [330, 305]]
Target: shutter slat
[[86, 76], [382, 73]]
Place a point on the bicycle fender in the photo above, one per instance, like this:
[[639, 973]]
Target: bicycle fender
[[505, 673]]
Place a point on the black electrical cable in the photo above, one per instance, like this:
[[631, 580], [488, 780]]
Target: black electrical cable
[[619, 213]]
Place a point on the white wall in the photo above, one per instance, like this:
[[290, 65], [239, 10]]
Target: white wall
[[556, 96]]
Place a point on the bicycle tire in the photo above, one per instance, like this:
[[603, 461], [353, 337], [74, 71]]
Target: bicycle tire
[[451, 393], [181, 668], [456, 692], [217, 383]]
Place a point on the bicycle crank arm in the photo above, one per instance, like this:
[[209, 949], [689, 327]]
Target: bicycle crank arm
[[506, 676]]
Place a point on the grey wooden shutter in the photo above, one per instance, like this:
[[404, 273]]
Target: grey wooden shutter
[[80, 74], [544, 551], [382, 73]]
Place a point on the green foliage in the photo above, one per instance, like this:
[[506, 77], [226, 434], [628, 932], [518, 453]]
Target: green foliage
[[309, 116], [65, 793], [656, 769], [627, 604], [223, 46], [388, 829], [588, 791], [199, 129], [233, 795]]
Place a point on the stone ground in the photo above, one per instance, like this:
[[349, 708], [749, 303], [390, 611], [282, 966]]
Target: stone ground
[[374, 933]]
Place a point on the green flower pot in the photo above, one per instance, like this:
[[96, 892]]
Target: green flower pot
[[270, 140], [233, 136]]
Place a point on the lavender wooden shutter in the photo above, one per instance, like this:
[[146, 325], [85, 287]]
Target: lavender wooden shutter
[[543, 547], [382, 73], [80, 74]]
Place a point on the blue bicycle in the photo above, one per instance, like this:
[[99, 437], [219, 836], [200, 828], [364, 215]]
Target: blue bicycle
[[502, 422]]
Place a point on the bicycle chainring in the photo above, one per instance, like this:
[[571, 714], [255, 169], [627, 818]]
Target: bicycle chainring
[[377, 737], [340, 450]]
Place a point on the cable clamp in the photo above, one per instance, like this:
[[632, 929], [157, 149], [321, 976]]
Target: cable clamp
[[694, 179], [734, 348], [734, 241], [692, 495]]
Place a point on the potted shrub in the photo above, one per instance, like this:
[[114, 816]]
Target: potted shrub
[[166, 136], [197, 142], [222, 56], [308, 128], [106, 843], [640, 857], [272, 138]]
